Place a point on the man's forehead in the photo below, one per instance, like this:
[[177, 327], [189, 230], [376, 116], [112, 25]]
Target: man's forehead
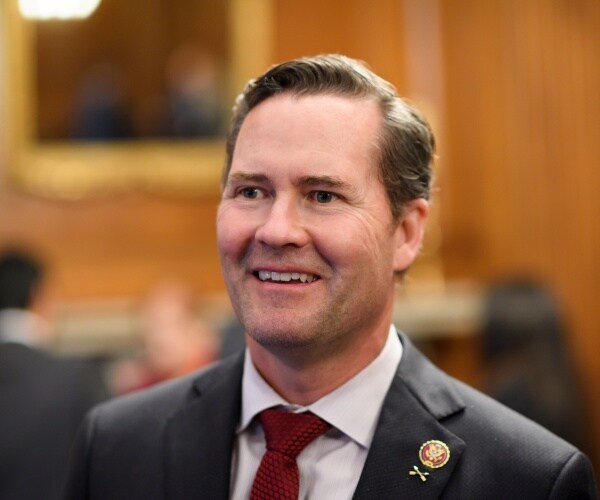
[[322, 139], [330, 122]]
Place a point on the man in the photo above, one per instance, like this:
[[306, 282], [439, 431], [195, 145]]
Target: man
[[324, 206], [42, 398], [175, 341]]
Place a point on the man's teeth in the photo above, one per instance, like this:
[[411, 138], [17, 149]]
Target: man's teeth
[[275, 276]]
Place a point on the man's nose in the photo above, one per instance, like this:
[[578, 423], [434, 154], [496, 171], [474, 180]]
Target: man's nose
[[283, 224]]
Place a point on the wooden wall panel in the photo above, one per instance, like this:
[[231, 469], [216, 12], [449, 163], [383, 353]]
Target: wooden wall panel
[[522, 188], [117, 247], [370, 31]]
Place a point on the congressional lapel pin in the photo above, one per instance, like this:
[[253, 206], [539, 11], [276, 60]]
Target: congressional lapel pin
[[417, 472], [434, 454]]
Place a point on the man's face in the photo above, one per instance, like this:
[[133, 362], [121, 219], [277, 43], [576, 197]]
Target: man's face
[[305, 232]]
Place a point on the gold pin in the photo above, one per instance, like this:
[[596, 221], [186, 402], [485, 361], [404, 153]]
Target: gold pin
[[417, 472], [434, 454]]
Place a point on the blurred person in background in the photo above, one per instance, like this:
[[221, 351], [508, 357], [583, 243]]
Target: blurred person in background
[[42, 397], [175, 341], [527, 360], [100, 106], [194, 102]]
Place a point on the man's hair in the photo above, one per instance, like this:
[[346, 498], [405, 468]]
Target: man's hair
[[20, 274], [406, 145]]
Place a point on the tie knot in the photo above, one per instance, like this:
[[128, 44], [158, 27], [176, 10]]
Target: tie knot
[[289, 433]]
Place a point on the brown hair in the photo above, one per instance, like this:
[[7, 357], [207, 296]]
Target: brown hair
[[406, 145]]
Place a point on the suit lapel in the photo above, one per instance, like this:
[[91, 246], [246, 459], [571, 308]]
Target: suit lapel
[[199, 438], [419, 398]]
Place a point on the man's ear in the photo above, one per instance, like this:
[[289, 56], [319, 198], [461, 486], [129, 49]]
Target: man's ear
[[409, 233]]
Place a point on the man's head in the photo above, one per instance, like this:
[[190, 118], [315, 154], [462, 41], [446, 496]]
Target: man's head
[[406, 145], [317, 215], [25, 285], [20, 278]]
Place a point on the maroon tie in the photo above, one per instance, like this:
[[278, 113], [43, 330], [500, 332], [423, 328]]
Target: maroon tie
[[287, 434]]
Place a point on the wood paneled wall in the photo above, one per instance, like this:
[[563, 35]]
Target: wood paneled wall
[[521, 190], [117, 247], [516, 107]]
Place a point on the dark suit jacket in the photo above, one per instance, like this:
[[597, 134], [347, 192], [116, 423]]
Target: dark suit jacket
[[42, 403], [174, 442]]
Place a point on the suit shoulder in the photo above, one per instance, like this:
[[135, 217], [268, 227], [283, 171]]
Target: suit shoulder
[[504, 447], [492, 424], [472, 415], [159, 402]]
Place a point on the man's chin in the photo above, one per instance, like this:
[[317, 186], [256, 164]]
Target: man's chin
[[278, 337]]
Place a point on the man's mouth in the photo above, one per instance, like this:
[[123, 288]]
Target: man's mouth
[[286, 277]]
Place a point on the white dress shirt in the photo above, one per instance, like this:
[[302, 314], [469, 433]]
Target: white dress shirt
[[331, 465], [19, 325]]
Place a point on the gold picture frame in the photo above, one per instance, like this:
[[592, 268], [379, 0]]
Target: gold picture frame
[[74, 170]]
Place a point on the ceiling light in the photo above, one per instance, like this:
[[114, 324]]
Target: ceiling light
[[57, 9]]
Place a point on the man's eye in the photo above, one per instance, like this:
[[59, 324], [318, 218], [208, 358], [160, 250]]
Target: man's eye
[[250, 193], [323, 196]]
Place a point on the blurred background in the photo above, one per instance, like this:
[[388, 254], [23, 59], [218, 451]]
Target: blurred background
[[111, 148]]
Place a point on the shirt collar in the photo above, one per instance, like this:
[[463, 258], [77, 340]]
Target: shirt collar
[[352, 408], [18, 325]]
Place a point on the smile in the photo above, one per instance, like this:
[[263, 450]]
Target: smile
[[286, 277]]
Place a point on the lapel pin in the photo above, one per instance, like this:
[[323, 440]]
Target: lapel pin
[[434, 454], [417, 472]]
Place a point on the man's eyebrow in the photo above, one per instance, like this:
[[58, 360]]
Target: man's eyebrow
[[325, 181], [246, 177]]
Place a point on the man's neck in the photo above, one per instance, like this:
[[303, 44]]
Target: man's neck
[[303, 377]]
